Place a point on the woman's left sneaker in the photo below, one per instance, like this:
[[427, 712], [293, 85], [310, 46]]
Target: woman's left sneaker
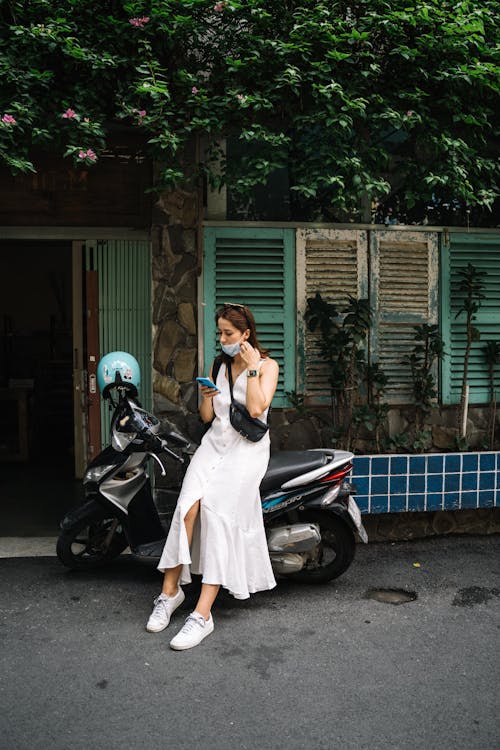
[[194, 630]]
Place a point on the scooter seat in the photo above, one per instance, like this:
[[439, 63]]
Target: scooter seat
[[286, 465]]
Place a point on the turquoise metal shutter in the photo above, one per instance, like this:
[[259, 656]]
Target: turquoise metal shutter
[[483, 252], [404, 273], [124, 273], [255, 267]]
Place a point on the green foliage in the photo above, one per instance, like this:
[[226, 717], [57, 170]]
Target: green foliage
[[356, 98], [341, 346], [470, 289], [428, 349]]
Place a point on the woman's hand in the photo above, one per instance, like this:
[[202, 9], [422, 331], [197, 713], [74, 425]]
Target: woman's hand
[[249, 355], [208, 393]]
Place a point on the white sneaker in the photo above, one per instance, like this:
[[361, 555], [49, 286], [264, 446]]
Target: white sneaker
[[194, 630], [164, 607]]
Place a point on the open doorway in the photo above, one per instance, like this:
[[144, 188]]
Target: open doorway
[[36, 387]]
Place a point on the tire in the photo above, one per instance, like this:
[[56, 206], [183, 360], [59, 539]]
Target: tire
[[84, 546], [334, 553]]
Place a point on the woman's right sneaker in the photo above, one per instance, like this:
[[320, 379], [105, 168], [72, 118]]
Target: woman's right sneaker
[[164, 607]]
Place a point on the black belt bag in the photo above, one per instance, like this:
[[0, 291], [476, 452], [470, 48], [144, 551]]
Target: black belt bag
[[249, 427]]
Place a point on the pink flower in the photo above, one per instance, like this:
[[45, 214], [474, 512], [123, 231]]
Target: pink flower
[[69, 114], [139, 22], [218, 7], [240, 97], [88, 154], [194, 90], [409, 113], [8, 120], [86, 119], [142, 113]]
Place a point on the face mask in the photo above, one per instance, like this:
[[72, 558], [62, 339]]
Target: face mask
[[230, 349]]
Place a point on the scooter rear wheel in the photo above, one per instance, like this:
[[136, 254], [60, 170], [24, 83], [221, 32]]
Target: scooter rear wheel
[[334, 553], [86, 545]]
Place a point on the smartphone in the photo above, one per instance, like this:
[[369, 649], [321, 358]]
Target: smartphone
[[208, 383]]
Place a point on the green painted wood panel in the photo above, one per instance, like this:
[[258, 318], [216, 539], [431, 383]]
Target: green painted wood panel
[[483, 252], [255, 267], [124, 274]]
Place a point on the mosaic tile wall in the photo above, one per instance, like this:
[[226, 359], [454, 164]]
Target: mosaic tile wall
[[449, 481]]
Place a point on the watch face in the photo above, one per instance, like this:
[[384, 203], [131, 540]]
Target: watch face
[[252, 373]]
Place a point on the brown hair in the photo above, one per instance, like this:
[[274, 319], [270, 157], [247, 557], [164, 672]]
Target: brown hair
[[242, 318]]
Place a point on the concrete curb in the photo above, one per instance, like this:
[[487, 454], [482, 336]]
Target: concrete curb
[[32, 546]]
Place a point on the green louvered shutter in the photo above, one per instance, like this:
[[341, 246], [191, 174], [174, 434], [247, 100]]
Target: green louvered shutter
[[255, 267], [404, 272], [124, 274], [332, 262], [483, 252]]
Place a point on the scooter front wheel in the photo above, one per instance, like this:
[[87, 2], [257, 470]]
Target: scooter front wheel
[[333, 554], [91, 542]]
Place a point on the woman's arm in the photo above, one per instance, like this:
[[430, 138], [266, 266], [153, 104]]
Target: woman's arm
[[261, 389]]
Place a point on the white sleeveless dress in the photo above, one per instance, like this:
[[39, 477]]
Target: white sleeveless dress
[[229, 543]]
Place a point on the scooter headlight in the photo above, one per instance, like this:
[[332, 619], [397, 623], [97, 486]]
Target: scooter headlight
[[95, 473]]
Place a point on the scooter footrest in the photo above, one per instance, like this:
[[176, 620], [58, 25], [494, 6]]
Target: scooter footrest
[[150, 549]]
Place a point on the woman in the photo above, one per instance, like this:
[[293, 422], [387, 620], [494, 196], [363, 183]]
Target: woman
[[218, 513]]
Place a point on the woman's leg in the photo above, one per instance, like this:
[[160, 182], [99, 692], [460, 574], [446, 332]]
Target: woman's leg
[[208, 594], [171, 577]]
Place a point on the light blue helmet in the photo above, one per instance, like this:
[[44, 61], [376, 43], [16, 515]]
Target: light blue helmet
[[118, 370]]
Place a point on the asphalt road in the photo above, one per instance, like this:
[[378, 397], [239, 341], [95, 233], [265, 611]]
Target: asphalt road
[[297, 667]]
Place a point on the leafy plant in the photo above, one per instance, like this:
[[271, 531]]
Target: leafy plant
[[341, 346], [471, 287], [304, 86], [426, 352]]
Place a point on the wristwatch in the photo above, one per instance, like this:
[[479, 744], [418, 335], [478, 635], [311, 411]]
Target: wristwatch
[[252, 373]]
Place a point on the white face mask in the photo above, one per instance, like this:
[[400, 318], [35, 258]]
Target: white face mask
[[230, 349]]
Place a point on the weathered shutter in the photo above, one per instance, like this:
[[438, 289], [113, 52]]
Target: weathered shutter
[[124, 274], [332, 262], [404, 293], [483, 252], [255, 267]]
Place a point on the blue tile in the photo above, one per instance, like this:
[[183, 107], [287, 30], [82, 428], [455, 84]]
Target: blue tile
[[469, 481], [452, 462], [398, 485], [487, 462], [416, 483], [469, 462], [487, 480], [380, 465], [416, 502], [361, 464], [435, 483], [399, 465], [451, 482], [397, 503], [362, 485], [362, 503], [417, 465], [468, 500], [434, 501], [452, 501], [435, 464], [379, 504], [380, 485], [486, 498]]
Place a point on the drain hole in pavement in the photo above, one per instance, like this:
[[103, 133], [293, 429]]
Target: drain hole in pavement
[[391, 596]]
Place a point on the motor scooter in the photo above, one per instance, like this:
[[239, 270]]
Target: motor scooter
[[309, 511]]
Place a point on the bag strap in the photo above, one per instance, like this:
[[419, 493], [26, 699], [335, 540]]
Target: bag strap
[[216, 367]]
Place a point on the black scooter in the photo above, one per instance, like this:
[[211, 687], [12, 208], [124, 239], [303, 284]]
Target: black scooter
[[310, 515]]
